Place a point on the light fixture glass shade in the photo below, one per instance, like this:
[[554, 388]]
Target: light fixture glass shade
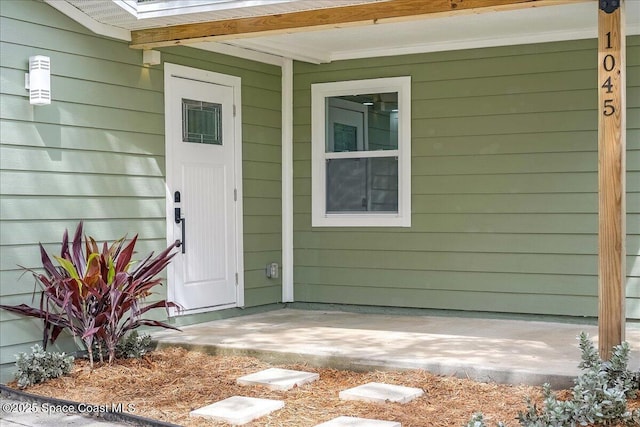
[[39, 80]]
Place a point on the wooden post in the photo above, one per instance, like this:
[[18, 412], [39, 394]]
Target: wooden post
[[611, 174]]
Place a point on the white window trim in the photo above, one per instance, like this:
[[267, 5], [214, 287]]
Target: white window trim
[[319, 92]]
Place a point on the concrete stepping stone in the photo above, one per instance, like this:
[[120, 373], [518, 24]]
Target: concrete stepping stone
[[238, 410], [381, 393], [358, 422], [278, 379]]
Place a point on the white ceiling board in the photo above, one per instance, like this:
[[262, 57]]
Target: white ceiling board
[[522, 26], [438, 33], [299, 51]]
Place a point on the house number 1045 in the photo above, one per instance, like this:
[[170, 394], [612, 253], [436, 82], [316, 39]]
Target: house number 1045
[[609, 64]]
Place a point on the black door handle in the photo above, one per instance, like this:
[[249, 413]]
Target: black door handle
[[181, 243], [179, 220]]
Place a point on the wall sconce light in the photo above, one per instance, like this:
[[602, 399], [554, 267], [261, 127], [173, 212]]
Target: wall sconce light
[[38, 80], [151, 57]]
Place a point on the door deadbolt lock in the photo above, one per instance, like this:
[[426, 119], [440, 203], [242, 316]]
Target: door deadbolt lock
[[179, 220]]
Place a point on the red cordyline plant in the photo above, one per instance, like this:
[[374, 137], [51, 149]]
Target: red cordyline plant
[[96, 294]]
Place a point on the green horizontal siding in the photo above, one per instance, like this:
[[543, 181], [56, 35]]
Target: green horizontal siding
[[401, 260], [452, 300], [473, 281], [21, 208], [110, 228], [582, 244], [97, 153], [26, 134], [92, 116], [254, 224], [256, 261], [257, 152], [55, 160], [67, 184], [504, 186], [511, 203]]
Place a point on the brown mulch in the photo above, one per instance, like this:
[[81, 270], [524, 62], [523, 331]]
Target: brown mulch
[[167, 384]]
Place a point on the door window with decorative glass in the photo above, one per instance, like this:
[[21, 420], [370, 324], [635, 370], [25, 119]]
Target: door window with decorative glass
[[201, 122]]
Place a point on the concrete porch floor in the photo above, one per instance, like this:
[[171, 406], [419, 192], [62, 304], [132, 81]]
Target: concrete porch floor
[[499, 350]]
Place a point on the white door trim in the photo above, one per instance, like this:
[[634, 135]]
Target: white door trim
[[174, 70]]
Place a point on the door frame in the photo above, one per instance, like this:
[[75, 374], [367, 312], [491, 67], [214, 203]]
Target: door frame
[[204, 76]]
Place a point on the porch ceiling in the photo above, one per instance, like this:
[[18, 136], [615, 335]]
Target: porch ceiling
[[325, 30]]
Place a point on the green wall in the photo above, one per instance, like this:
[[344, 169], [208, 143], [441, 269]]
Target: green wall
[[504, 186], [97, 153], [504, 182]]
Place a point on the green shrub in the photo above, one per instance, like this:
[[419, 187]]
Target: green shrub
[[133, 346], [599, 396], [554, 413], [40, 366], [477, 420], [601, 392]]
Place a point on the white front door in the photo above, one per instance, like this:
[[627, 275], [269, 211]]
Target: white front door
[[201, 190]]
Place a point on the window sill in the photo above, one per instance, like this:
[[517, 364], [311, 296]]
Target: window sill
[[361, 220]]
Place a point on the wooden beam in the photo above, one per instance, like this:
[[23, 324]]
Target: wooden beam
[[611, 175], [335, 17]]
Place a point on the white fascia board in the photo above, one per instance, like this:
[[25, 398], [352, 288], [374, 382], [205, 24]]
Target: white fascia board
[[88, 22]]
